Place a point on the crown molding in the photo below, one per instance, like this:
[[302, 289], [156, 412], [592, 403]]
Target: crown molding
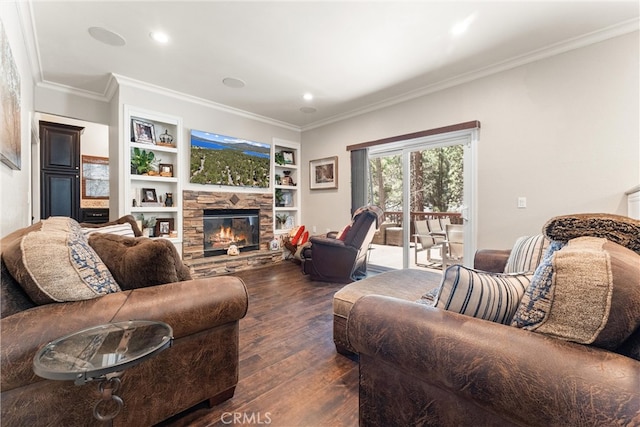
[[127, 81], [28, 28], [613, 31]]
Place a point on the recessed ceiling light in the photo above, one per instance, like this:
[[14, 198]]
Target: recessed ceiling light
[[107, 36], [308, 110], [308, 96], [233, 82], [159, 36]]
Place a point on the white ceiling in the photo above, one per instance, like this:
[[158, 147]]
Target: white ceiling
[[352, 55]]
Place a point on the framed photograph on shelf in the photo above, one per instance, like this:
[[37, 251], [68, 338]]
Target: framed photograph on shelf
[[166, 169], [149, 195], [323, 173], [288, 158], [143, 132], [287, 198], [164, 227]]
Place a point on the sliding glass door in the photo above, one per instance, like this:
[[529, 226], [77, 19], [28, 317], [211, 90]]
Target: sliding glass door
[[416, 180]]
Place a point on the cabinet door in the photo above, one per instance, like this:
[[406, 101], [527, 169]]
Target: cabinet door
[[60, 146], [60, 194]]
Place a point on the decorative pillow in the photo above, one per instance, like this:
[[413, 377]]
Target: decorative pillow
[[489, 296], [119, 229], [127, 219], [54, 263], [526, 254], [587, 291], [343, 233], [619, 229], [137, 262]]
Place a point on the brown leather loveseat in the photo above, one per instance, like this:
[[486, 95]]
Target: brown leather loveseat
[[201, 365]]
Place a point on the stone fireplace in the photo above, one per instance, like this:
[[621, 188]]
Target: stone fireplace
[[195, 203], [225, 227]]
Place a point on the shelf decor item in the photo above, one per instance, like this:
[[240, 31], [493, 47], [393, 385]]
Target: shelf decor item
[[142, 161], [287, 179], [164, 227], [166, 169], [165, 139], [149, 195], [323, 173], [288, 158], [143, 132]]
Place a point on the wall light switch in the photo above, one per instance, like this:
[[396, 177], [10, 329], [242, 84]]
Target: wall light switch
[[522, 202]]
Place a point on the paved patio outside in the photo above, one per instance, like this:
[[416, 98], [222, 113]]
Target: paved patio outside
[[390, 257]]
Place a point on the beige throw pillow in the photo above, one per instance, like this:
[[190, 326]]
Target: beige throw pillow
[[587, 292], [54, 263]]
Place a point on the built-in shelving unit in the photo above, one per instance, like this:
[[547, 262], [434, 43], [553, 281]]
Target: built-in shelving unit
[[285, 177], [165, 171]]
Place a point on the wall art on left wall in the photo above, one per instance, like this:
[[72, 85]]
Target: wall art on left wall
[[10, 143]]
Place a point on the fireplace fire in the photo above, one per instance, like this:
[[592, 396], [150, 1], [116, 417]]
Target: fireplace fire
[[226, 227]]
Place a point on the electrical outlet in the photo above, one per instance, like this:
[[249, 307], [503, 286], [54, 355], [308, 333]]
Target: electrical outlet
[[314, 229], [522, 202]]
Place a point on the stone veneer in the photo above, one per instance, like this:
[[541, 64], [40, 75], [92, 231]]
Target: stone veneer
[[195, 202]]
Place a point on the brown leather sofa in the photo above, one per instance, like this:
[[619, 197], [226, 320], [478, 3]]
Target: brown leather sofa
[[201, 365], [426, 366], [421, 365]]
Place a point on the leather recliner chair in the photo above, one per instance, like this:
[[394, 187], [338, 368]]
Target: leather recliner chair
[[331, 259]]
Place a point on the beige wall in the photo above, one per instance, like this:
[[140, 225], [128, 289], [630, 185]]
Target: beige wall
[[15, 192], [563, 132]]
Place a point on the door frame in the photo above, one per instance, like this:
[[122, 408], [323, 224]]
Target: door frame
[[469, 139]]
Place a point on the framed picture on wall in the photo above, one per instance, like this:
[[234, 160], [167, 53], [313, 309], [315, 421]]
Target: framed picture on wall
[[95, 177], [323, 173]]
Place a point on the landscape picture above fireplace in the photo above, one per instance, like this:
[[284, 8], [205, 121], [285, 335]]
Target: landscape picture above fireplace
[[225, 160], [226, 227]]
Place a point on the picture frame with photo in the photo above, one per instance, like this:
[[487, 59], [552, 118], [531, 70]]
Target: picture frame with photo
[[143, 132], [164, 227], [149, 195], [288, 157], [323, 173], [165, 169]]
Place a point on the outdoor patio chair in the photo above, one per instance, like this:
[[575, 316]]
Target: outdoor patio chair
[[427, 241], [453, 246]]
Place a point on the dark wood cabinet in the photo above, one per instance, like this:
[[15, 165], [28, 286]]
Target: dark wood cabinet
[[60, 170]]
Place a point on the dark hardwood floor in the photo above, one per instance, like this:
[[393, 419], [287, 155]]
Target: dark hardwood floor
[[290, 373]]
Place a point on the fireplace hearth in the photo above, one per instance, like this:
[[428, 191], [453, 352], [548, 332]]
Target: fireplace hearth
[[226, 227]]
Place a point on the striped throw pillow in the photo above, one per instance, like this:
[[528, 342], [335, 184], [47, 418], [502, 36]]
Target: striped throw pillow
[[489, 296], [119, 229], [526, 254]]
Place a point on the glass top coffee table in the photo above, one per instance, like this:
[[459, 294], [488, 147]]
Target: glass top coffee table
[[102, 353]]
